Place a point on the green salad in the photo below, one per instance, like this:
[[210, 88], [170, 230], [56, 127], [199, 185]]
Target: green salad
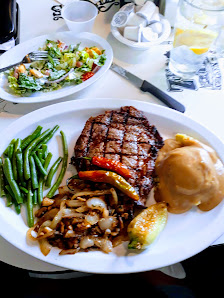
[[65, 65]]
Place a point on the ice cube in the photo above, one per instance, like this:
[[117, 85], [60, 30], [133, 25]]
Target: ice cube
[[184, 55]]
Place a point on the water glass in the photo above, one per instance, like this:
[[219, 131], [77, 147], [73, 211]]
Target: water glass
[[198, 25]]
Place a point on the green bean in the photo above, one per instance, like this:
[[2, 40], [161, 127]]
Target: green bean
[[31, 137], [35, 196], [9, 200], [39, 153], [44, 150], [39, 165], [47, 138], [19, 162], [10, 151], [30, 219], [23, 196], [8, 188], [17, 208], [40, 191], [24, 140], [48, 160], [11, 197], [33, 172], [41, 179], [29, 149], [7, 169], [2, 183], [52, 171], [17, 146], [19, 150], [63, 168], [24, 189], [7, 149], [41, 160]]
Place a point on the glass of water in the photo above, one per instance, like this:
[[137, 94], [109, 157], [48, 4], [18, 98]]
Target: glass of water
[[198, 24]]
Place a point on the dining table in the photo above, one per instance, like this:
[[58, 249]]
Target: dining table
[[204, 104]]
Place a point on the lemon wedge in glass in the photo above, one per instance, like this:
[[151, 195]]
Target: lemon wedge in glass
[[198, 41]]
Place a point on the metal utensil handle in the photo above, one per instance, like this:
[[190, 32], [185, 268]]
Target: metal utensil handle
[[165, 98], [10, 66]]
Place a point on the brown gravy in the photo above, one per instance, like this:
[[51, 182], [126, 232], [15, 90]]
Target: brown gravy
[[190, 173]]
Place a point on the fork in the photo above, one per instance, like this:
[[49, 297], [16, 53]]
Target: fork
[[31, 57]]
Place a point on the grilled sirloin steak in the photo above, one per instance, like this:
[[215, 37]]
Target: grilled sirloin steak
[[124, 135]]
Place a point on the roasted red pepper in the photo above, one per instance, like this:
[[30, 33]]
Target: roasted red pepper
[[111, 178], [110, 164], [87, 75]]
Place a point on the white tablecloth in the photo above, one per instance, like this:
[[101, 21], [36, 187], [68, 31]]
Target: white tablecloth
[[41, 17]]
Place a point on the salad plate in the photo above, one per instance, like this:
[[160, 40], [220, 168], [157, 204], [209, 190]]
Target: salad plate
[[44, 89], [184, 235]]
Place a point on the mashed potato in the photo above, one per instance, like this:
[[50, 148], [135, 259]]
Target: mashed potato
[[190, 174]]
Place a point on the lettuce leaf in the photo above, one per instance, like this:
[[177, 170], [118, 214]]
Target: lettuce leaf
[[54, 52], [14, 85], [29, 83], [102, 60], [54, 75]]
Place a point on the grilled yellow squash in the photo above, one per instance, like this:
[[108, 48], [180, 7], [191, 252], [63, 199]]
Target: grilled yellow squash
[[147, 225]]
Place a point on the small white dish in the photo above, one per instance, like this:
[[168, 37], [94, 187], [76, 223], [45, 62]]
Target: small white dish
[[18, 52], [143, 45]]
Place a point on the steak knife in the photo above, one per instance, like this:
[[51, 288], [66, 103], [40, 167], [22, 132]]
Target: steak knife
[[147, 87]]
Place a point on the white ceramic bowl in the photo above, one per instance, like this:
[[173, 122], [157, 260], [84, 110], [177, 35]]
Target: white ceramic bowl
[[142, 46]]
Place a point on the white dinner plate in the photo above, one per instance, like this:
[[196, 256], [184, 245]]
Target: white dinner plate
[[184, 235], [17, 53]]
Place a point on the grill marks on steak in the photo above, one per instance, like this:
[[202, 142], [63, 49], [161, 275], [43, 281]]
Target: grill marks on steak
[[126, 136]]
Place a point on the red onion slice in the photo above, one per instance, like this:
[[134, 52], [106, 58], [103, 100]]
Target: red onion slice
[[96, 68]]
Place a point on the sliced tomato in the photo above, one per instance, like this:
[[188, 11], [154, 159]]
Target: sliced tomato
[[87, 75]]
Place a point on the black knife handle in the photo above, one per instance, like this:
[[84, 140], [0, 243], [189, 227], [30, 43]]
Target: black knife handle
[[165, 98]]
